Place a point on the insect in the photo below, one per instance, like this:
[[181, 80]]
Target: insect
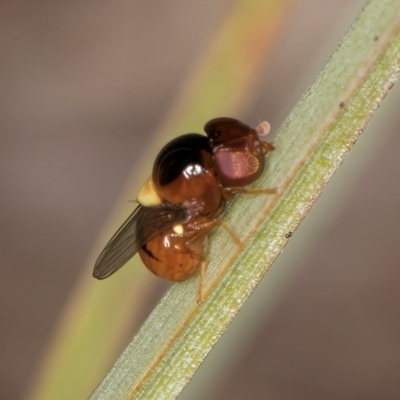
[[193, 178]]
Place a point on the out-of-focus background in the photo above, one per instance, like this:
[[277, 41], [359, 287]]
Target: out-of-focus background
[[82, 87]]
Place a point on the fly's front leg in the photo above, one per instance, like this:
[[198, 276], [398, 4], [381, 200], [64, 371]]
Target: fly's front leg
[[234, 190]]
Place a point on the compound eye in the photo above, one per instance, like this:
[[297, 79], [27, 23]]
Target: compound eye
[[238, 154], [239, 166], [235, 166]]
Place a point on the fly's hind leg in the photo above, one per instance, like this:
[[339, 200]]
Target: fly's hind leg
[[202, 277], [197, 251], [192, 246]]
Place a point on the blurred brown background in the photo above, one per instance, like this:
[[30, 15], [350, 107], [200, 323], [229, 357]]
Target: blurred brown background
[[83, 84]]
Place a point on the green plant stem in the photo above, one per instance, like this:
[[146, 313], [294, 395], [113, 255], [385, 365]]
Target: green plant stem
[[310, 146]]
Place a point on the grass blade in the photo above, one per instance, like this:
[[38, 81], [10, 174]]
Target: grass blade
[[311, 145]]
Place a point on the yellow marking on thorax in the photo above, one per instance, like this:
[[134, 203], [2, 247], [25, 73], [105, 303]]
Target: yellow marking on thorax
[[148, 196]]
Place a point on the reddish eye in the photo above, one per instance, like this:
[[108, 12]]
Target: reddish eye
[[235, 165], [238, 155]]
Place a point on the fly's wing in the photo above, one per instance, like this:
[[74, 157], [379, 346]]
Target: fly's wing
[[142, 225]]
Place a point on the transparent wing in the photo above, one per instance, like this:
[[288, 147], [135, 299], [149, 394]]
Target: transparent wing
[[141, 226]]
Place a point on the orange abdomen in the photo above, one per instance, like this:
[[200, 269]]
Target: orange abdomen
[[169, 257]]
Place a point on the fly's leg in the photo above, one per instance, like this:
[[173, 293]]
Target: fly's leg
[[202, 277], [267, 146], [202, 230], [208, 226], [192, 247], [234, 190]]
